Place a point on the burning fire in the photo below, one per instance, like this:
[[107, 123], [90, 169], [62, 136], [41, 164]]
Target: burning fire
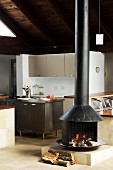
[[80, 140]]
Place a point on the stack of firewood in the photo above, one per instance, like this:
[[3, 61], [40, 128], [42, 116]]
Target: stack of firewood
[[59, 157]]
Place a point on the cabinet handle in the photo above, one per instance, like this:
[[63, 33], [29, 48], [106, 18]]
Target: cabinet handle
[[25, 104], [72, 75], [33, 104]]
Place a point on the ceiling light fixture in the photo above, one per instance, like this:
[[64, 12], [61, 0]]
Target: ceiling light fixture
[[99, 37]]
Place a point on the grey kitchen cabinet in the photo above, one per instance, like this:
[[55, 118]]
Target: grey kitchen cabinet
[[52, 65], [37, 66], [70, 62], [22, 116], [31, 66], [41, 117], [57, 109], [55, 65], [36, 117]]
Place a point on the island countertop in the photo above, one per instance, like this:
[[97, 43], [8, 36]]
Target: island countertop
[[95, 95], [106, 113], [6, 107], [39, 100]]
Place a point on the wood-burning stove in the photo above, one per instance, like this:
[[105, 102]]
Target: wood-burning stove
[[87, 129], [81, 119]]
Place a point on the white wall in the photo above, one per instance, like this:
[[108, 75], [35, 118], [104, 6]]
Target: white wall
[[96, 80], [60, 86]]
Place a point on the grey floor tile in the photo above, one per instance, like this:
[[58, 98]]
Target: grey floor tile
[[26, 154]]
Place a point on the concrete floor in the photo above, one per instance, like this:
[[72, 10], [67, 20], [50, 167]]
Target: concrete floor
[[26, 153]]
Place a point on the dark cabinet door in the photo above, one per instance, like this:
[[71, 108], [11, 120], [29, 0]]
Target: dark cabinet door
[[37, 117], [57, 113], [22, 116], [41, 117]]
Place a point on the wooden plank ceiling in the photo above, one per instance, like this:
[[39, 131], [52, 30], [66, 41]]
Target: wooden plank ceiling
[[47, 26]]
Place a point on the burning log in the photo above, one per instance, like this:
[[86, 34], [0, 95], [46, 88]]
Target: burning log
[[59, 158], [80, 141]]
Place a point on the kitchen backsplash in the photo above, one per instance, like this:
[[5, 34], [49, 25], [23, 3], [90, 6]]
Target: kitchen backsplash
[[57, 86]]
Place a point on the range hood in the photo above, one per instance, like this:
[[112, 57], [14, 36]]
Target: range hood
[[82, 111]]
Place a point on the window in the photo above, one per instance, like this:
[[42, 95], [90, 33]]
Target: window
[[5, 31]]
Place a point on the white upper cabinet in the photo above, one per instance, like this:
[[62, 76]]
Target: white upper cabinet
[[52, 65], [31, 64], [41, 67], [55, 65], [38, 65], [70, 64]]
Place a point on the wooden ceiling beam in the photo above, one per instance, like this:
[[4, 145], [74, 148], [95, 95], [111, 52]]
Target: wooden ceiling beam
[[106, 48], [13, 46], [103, 25], [16, 29], [29, 13], [61, 13]]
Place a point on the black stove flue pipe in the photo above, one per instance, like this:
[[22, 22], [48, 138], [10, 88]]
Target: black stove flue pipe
[[82, 51], [82, 111]]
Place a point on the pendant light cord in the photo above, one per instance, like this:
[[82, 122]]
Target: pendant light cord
[[99, 16]]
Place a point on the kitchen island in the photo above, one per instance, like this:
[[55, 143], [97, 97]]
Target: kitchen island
[[69, 99], [105, 127], [38, 115], [7, 126]]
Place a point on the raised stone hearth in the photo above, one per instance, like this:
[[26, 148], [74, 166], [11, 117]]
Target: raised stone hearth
[[90, 158], [7, 127], [105, 130]]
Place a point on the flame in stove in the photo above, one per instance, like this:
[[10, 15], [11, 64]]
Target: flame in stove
[[80, 140], [77, 136]]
